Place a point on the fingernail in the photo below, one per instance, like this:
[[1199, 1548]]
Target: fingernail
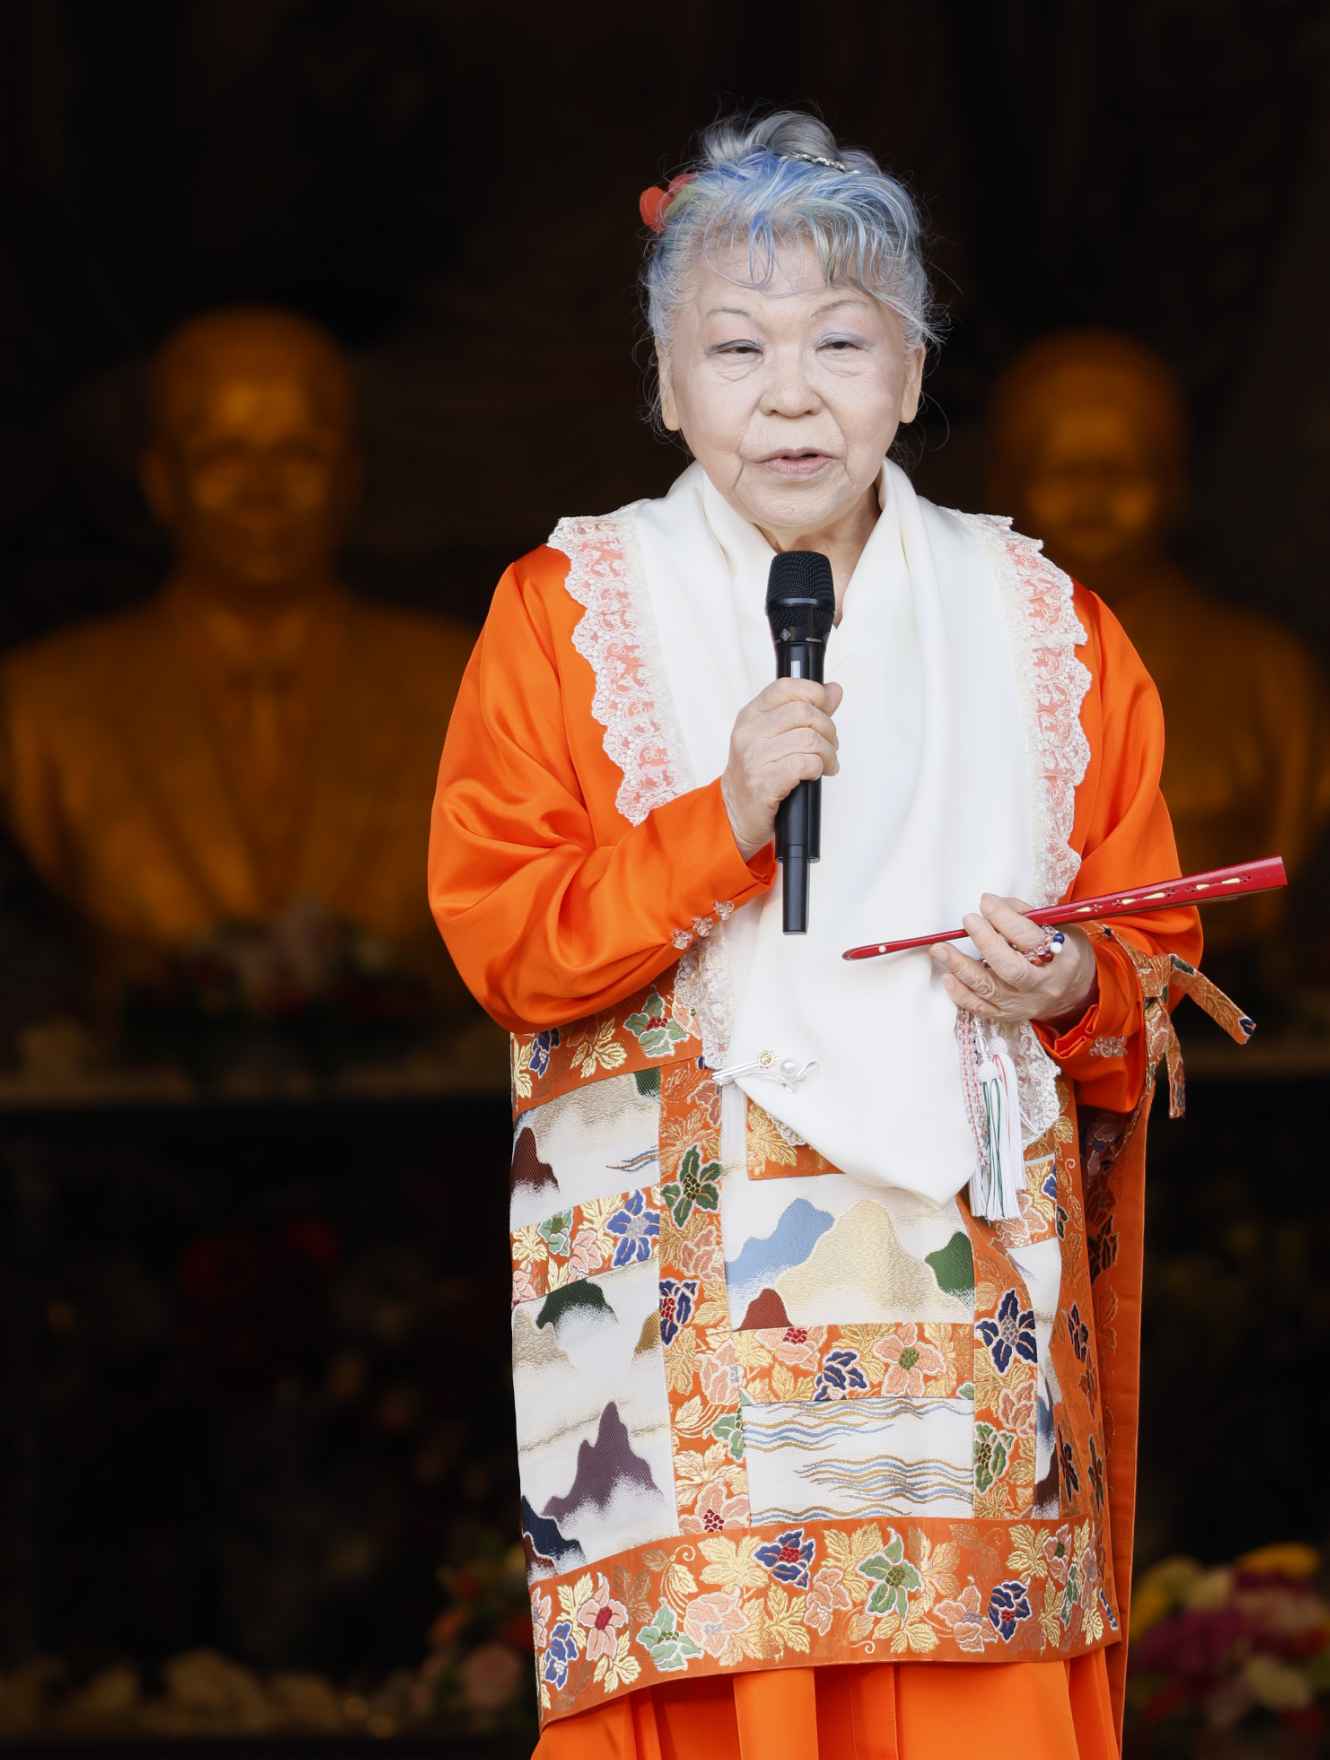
[[987, 901]]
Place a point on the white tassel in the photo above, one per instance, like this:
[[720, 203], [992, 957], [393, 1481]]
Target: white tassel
[[995, 1190]]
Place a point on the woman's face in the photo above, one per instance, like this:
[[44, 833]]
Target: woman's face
[[789, 396]]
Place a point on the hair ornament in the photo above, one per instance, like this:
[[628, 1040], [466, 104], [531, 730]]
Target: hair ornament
[[817, 159], [653, 202]]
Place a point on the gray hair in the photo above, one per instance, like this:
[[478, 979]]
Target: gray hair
[[785, 176]]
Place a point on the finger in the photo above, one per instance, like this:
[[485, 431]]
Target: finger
[[975, 977], [826, 697], [780, 779], [800, 714], [1007, 915], [1007, 961], [797, 742], [962, 995]]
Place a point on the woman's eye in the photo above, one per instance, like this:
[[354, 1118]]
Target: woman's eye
[[736, 348], [841, 344]]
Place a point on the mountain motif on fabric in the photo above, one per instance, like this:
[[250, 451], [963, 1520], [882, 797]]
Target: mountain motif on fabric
[[593, 1431], [765, 1310], [604, 1468], [546, 1549], [953, 1266], [528, 1172], [593, 1142], [582, 1300], [536, 1349], [860, 1271], [761, 1261]]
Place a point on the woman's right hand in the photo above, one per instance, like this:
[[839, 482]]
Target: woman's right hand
[[785, 736]]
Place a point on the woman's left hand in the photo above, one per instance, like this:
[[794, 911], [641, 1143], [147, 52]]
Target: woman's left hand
[[1006, 987]]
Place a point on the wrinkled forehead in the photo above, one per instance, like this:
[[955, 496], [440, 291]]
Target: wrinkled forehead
[[792, 275]]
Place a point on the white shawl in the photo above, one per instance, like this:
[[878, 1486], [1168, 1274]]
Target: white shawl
[[947, 788]]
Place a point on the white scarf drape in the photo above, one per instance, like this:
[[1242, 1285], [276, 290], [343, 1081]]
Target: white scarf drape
[[935, 803]]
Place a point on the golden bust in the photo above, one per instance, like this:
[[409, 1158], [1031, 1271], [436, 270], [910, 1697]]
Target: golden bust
[[253, 738], [1087, 448]]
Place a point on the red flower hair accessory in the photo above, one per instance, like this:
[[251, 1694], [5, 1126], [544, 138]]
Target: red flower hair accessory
[[653, 203]]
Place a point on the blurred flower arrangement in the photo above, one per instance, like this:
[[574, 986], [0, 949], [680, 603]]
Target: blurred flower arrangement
[[324, 989], [475, 1681], [478, 1674], [1241, 1650], [199, 1693]]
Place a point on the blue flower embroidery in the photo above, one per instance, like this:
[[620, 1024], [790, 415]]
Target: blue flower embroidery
[[1071, 1479], [562, 1650], [1050, 1186], [676, 1305], [788, 1557], [840, 1372], [636, 1225], [541, 1046], [1011, 1333], [1008, 1605]]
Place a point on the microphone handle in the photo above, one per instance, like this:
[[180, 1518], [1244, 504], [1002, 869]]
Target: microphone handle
[[799, 816]]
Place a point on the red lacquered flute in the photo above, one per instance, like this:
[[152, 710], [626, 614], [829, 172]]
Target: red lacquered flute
[[1267, 875]]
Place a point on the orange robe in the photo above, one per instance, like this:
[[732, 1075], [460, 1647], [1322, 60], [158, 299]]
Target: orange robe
[[529, 852]]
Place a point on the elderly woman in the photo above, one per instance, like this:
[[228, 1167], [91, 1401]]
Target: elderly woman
[[811, 1364]]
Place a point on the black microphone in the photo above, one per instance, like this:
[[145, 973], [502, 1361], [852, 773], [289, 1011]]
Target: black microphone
[[801, 608]]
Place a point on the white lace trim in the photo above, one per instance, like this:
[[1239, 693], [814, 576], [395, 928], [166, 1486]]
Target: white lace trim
[[615, 637], [702, 986], [1108, 1045], [701, 981], [1053, 682]]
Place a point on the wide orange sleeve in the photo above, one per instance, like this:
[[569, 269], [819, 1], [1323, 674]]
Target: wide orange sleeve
[[1125, 838], [552, 906]]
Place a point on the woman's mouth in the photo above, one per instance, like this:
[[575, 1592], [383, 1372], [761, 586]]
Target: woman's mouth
[[796, 462]]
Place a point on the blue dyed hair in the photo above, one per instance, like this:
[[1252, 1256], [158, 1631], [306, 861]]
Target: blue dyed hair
[[760, 183]]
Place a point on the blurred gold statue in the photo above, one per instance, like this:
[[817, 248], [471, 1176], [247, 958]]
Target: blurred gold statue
[[252, 740], [1087, 449]]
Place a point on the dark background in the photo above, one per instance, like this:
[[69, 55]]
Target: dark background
[[453, 188], [258, 1388]]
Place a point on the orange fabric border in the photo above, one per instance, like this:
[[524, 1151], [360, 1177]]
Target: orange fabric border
[[973, 1592]]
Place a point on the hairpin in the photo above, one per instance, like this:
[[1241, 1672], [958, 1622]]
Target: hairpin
[[653, 203], [816, 159]]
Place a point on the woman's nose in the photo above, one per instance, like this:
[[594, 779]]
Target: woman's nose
[[787, 391]]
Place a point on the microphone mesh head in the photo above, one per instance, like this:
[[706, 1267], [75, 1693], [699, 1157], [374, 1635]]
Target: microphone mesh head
[[801, 597]]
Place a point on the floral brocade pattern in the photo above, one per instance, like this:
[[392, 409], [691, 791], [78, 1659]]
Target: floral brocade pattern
[[1026, 1575], [547, 1064], [601, 1235], [822, 1593]]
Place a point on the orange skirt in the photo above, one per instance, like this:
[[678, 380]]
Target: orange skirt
[[862, 1711]]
